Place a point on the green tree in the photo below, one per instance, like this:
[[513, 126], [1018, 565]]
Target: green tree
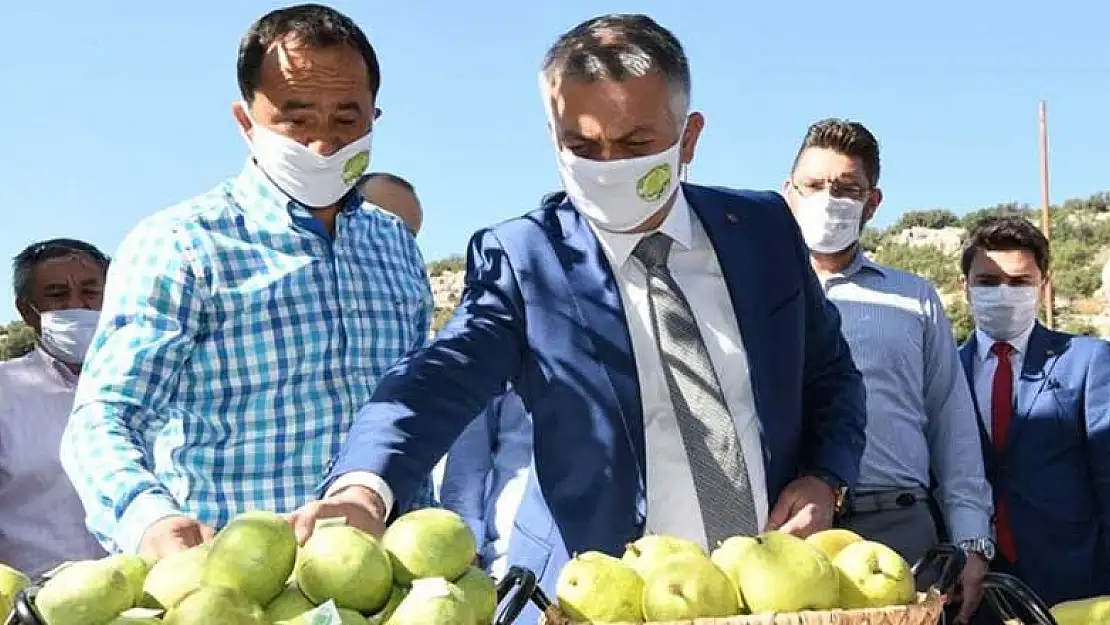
[[928, 261], [16, 339], [452, 263], [936, 219], [963, 324]]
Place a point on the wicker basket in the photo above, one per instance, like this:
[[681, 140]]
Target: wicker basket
[[926, 611]]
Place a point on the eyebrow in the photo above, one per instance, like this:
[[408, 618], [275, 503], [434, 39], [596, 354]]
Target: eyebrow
[[302, 105], [570, 134]]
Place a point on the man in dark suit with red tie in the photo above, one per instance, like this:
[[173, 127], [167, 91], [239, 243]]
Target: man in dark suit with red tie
[[1044, 403]]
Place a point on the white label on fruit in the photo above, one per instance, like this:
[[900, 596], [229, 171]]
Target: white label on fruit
[[324, 614], [430, 588], [332, 522]]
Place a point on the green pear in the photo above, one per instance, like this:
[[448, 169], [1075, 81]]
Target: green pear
[[345, 616], [644, 554], [135, 569], [12, 582], [480, 592], [85, 593], [216, 604], [430, 542], [395, 598], [173, 577], [777, 572], [689, 586], [345, 564], [873, 575], [595, 586], [290, 603], [1082, 611], [433, 601], [254, 554]]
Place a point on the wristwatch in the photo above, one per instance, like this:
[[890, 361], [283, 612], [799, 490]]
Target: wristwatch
[[838, 487], [983, 547]]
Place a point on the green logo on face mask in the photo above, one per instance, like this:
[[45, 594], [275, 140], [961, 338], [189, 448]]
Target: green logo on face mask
[[355, 167], [655, 183]]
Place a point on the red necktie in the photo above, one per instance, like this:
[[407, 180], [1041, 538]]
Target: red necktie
[[1002, 414]]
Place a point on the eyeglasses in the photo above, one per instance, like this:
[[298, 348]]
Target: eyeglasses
[[835, 189]]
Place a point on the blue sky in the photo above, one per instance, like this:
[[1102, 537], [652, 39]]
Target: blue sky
[[116, 109]]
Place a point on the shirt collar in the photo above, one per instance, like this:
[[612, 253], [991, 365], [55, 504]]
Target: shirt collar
[[984, 343], [678, 225], [54, 366], [253, 191], [860, 262]]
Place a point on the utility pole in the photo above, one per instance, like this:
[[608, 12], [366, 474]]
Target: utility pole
[[1046, 226]]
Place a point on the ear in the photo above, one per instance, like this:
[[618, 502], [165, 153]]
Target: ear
[[872, 205], [242, 116], [28, 315], [695, 123]]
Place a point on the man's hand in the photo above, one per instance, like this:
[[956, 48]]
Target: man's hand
[[358, 505], [805, 506], [172, 534], [969, 592]]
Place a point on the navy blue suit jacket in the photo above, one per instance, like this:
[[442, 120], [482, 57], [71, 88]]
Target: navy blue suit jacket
[[1055, 468], [541, 309]]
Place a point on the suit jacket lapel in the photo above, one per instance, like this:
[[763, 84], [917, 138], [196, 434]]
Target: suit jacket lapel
[[1032, 380], [598, 300]]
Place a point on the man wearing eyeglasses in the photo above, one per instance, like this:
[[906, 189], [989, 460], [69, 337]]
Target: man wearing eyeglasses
[[921, 424]]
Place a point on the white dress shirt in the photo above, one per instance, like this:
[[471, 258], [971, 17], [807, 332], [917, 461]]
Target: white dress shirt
[[983, 366], [42, 523], [672, 505]]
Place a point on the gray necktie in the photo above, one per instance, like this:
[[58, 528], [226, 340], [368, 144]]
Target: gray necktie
[[708, 432]]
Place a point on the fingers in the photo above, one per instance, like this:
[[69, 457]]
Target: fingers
[[969, 602], [303, 522], [207, 534], [781, 513]]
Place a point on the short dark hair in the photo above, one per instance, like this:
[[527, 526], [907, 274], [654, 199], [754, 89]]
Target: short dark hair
[[1005, 233], [24, 263], [312, 24], [388, 177], [844, 137], [618, 47]]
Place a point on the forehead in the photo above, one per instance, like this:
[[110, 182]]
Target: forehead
[[1005, 262], [610, 107], [293, 67], [74, 267], [824, 163]]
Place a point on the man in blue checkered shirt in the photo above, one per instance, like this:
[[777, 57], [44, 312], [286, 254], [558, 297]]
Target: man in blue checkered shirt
[[243, 329]]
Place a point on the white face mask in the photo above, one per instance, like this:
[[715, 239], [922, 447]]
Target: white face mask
[[67, 334], [620, 195], [1004, 312], [829, 224], [313, 180]]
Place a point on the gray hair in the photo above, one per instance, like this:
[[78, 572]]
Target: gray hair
[[24, 263], [618, 47]]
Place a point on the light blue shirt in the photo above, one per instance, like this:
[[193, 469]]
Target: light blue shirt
[[485, 473], [920, 416], [237, 341]]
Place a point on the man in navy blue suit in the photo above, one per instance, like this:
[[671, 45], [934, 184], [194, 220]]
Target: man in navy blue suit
[[1043, 399], [684, 372]]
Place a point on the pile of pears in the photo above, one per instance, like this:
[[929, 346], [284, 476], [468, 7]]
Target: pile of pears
[[664, 578], [421, 572]]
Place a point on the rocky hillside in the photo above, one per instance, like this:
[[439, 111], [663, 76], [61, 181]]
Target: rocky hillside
[[927, 242]]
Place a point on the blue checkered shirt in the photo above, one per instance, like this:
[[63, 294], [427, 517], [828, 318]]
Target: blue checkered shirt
[[237, 341]]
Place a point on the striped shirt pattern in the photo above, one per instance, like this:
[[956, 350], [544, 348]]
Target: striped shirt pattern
[[237, 341]]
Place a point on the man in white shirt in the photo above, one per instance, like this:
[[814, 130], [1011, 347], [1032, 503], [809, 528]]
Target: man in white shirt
[[683, 369], [58, 288]]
